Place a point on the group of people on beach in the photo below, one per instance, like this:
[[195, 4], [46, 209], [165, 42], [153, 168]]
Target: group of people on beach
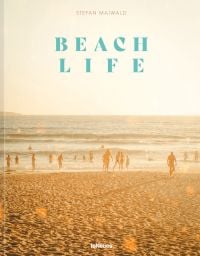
[[171, 161], [196, 156], [51, 158], [90, 157], [33, 160], [9, 160], [121, 160]]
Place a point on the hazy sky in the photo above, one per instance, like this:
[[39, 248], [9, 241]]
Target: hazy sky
[[170, 84]]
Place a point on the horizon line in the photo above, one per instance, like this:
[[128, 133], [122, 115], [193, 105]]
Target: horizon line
[[133, 115]]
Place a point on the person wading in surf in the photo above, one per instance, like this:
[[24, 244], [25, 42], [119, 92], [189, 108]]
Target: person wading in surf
[[106, 160]]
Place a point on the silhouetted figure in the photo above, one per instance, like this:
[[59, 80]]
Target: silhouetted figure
[[75, 157], [16, 159], [171, 161], [117, 160], [106, 160], [91, 156], [50, 158], [33, 161], [196, 156], [29, 148], [8, 160], [60, 160], [185, 156], [121, 163], [84, 157], [127, 162]]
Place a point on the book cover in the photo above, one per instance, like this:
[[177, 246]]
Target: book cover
[[100, 128]]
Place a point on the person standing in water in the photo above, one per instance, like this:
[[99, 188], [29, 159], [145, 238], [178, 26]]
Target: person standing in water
[[8, 160], [17, 160], [50, 158], [106, 160], [60, 160], [33, 161], [91, 156], [117, 160], [171, 161], [127, 162], [121, 163]]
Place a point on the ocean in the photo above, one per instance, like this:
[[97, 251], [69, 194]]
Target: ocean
[[146, 140]]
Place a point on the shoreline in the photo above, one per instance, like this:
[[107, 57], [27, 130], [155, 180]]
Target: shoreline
[[44, 171]]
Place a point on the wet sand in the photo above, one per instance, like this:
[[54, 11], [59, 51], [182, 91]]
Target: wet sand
[[138, 213]]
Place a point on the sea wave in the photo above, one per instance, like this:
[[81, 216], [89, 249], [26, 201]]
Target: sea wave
[[95, 136], [71, 152]]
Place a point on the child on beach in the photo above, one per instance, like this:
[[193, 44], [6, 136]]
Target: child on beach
[[60, 159], [121, 163], [17, 160], [117, 160], [8, 160], [127, 162], [91, 156], [50, 158], [33, 161]]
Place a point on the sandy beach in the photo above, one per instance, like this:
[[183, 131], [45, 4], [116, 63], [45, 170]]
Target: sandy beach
[[137, 213]]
